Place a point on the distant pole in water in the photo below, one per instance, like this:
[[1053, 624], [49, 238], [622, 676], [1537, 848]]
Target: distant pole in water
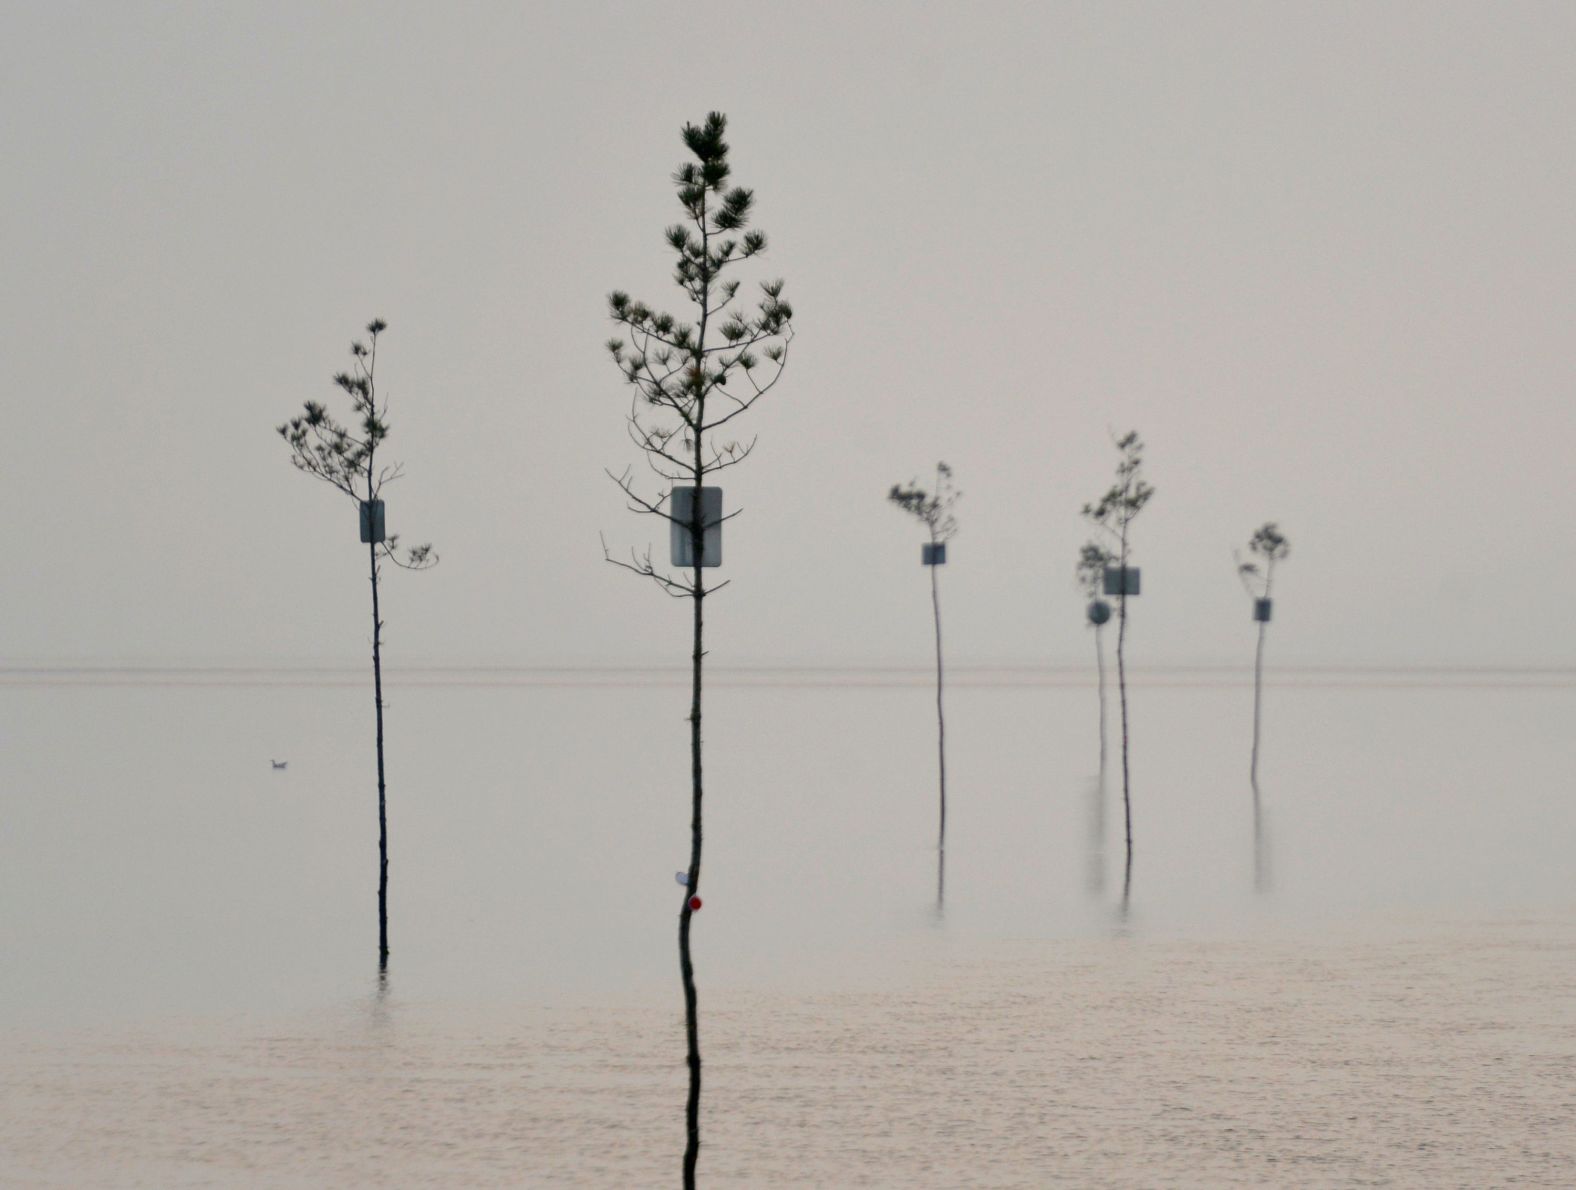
[[1269, 544], [934, 511]]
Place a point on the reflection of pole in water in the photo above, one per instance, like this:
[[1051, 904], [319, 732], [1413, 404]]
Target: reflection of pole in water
[[1127, 879], [378, 1002], [1261, 845], [1094, 870]]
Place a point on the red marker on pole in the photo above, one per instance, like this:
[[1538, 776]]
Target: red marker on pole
[[694, 904]]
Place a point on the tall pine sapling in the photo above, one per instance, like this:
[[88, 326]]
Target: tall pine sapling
[[934, 511], [1269, 545], [690, 378], [1113, 514], [346, 458]]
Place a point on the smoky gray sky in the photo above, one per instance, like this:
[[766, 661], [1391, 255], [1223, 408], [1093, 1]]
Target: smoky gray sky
[[1321, 256]]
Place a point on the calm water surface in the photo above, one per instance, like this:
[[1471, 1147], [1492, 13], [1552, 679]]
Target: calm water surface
[[187, 994]]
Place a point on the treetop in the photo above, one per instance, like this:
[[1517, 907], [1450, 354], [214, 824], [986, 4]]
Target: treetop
[[934, 509], [1269, 543], [346, 459], [1126, 498]]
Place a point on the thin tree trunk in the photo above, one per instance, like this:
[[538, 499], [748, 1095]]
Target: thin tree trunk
[[1260, 871], [941, 742], [1258, 689], [1260, 866], [692, 886], [383, 821], [1121, 681]]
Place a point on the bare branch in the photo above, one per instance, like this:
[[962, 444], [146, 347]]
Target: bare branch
[[419, 557], [721, 460], [639, 503], [653, 443], [641, 564]]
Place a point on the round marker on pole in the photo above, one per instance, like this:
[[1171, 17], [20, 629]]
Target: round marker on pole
[[694, 904]]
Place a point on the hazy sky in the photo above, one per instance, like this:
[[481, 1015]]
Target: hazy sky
[[1322, 256]]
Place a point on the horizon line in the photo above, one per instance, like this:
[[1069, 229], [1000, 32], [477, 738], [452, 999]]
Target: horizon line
[[1025, 675]]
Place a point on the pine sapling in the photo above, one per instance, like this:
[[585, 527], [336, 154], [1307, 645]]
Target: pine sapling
[[346, 458], [934, 511], [1269, 545], [690, 377]]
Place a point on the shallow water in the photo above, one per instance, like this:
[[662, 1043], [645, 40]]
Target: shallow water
[[186, 994]]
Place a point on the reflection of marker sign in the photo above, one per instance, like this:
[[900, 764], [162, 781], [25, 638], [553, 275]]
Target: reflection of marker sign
[[1099, 612], [682, 878], [933, 554], [694, 904]]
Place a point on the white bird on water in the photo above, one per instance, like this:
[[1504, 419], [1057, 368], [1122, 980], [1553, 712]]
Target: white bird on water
[[278, 764]]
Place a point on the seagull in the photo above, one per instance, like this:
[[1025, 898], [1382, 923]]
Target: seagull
[[278, 764]]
